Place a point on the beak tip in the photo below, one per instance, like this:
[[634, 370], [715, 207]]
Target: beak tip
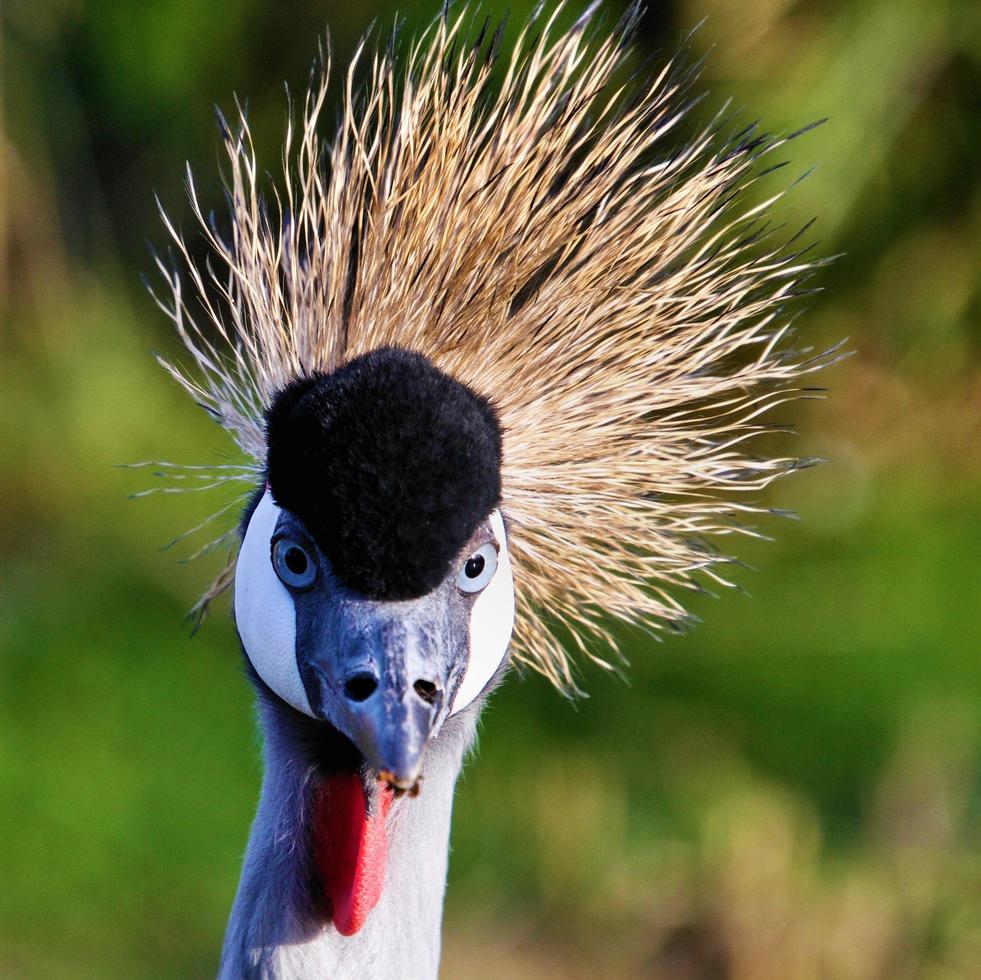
[[401, 785]]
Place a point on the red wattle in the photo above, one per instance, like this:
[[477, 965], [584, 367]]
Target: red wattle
[[351, 849]]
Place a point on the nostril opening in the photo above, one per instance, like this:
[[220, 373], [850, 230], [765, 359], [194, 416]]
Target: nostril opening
[[427, 690], [360, 687]]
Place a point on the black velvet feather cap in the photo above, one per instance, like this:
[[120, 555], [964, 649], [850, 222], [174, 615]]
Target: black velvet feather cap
[[390, 463]]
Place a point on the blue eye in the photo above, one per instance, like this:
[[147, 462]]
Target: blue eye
[[294, 564], [477, 571]]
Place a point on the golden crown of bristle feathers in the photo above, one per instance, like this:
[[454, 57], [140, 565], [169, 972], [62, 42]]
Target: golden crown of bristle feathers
[[532, 231]]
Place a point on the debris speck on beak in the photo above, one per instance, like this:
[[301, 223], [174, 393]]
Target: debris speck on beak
[[401, 787]]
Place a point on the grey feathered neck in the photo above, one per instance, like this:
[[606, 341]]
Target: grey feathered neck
[[277, 930]]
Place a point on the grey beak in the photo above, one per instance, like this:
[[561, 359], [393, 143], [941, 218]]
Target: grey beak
[[392, 724], [385, 673]]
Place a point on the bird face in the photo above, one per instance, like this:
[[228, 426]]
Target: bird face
[[384, 673], [373, 589]]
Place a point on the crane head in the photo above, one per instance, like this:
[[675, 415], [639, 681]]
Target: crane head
[[373, 589]]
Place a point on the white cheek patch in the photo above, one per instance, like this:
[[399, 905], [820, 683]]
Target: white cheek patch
[[491, 622], [264, 610]]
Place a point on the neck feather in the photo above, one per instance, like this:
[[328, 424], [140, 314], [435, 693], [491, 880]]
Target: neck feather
[[278, 928]]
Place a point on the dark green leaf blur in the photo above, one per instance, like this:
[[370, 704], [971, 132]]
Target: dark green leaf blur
[[790, 792]]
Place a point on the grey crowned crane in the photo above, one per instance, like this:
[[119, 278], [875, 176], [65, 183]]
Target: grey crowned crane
[[497, 355]]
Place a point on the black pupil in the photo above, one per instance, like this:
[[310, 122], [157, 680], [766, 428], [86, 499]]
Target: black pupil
[[295, 560], [474, 566]]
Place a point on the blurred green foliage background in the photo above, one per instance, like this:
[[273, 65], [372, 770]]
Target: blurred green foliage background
[[792, 791]]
